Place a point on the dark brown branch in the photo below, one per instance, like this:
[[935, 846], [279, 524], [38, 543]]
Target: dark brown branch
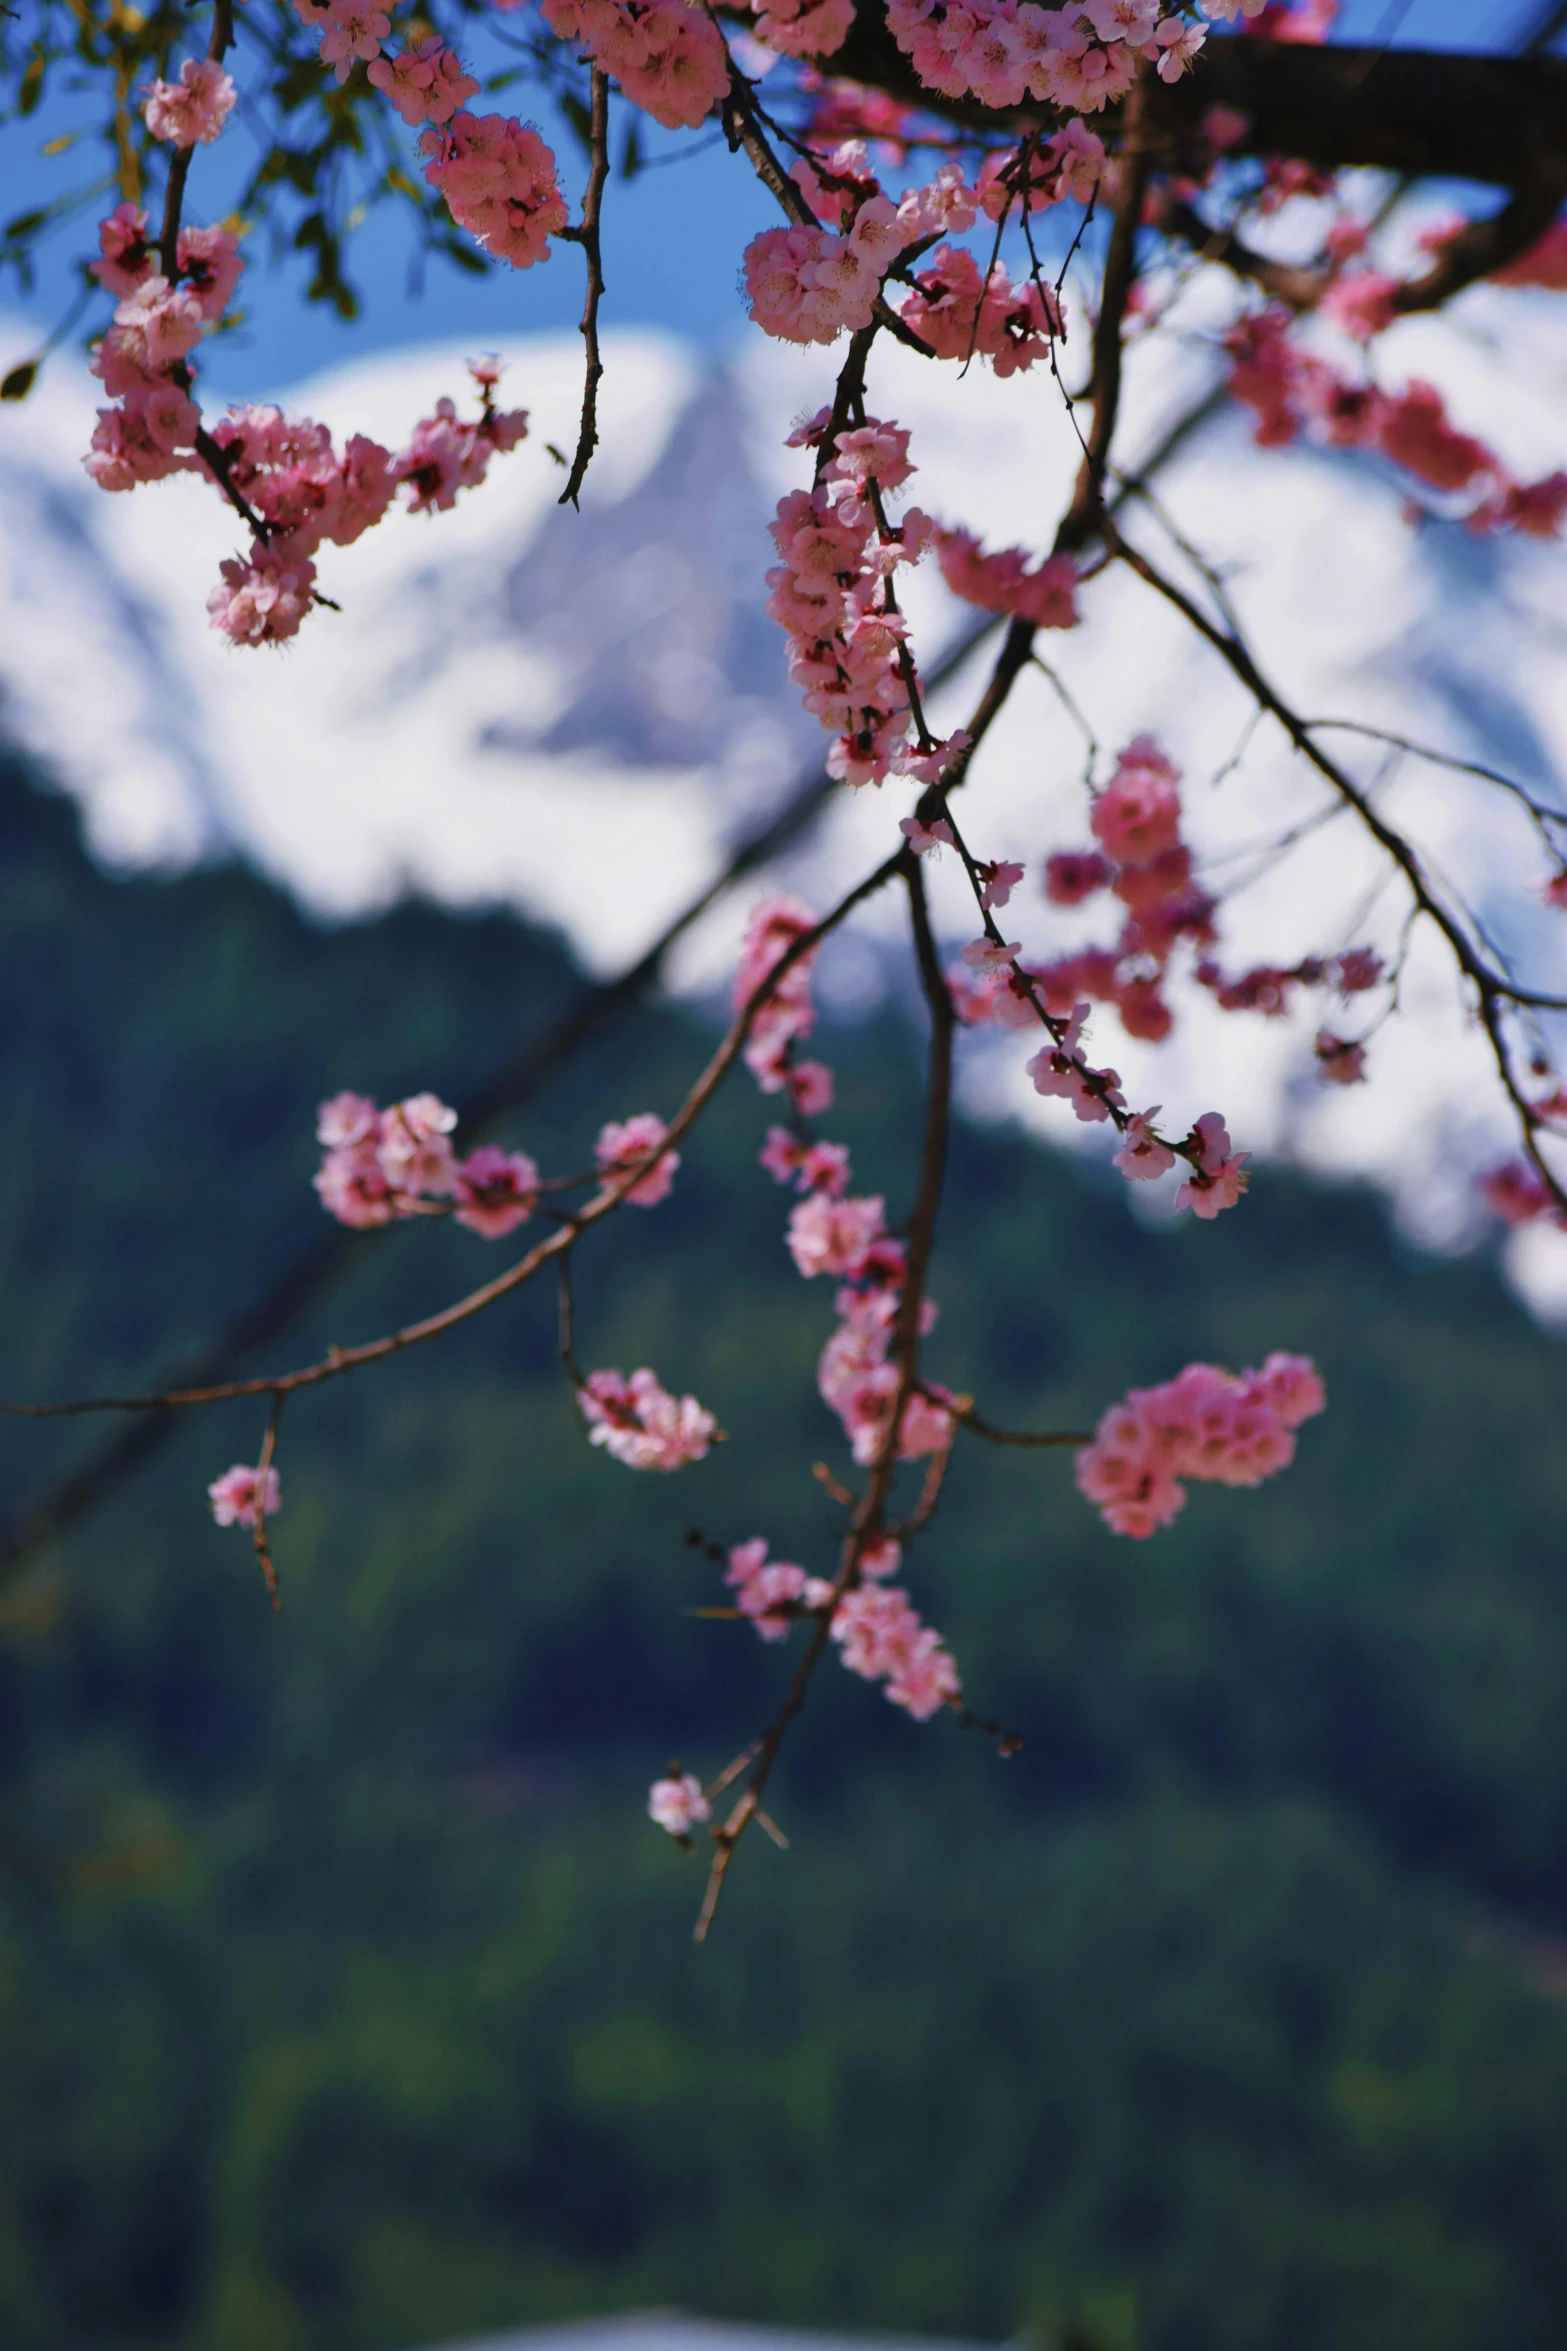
[[259, 1520], [969, 1419], [1499, 120], [587, 236], [514, 1084], [1473, 253]]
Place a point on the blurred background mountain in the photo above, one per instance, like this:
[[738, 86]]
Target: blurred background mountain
[[347, 2000]]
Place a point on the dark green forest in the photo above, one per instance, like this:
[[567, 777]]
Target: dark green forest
[[347, 1999]]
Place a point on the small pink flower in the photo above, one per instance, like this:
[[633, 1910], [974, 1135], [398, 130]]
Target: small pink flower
[[193, 110], [639, 1423], [1361, 302], [999, 880], [991, 955], [1554, 892], [233, 1496], [1142, 1156], [1339, 1062], [834, 1236], [925, 838], [262, 601], [1075, 874], [496, 1191], [623, 1142], [810, 1085], [678, 1804], [1220, 1177]]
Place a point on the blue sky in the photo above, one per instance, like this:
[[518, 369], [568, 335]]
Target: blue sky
[[673, 237]]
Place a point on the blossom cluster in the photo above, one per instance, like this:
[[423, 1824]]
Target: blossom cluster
[[379, 1165], [1291, 391], [640, 1423], [833, 595], [835, 1233], [668, 57], [1044, 595], [811, 284], [1080, 58], [878, 1630], [299, 488], [497, 175], [1229, 1429], [962, 314]]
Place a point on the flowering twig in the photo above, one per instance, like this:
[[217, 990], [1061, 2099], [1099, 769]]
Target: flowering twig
[[1493, 989]]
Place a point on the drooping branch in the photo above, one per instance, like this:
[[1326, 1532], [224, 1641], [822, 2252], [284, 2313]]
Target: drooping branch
[[870, 1512], [1494, 991], [614, 1190]]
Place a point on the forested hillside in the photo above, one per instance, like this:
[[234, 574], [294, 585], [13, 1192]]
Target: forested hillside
[[347, 1999]]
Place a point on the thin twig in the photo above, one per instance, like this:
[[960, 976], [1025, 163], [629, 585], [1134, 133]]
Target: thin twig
[[259, 1518], [1493, 989], [613, 1191]]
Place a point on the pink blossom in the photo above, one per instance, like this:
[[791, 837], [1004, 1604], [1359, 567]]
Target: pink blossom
[[1357, 969], [810, 1087], [496, 1191], [957, 312], [426, 84], [193, 110], [356, 31], [1075, 874], [499, 182], [234, 1496], [210, 265], [1206, 1424], [1219, 1177], [1138, 814], [414, 1148], [125, 255], [1362, 303], [641, 1424], [263, 600], [999, 879], [1339, 1063], [1516, 1193], [667, 57], [153, 327], [805, 28], [347, 1120], [1142, 1155], [144, 439], [781, 1155], [827, 1235], [1415, 433], [623, 1142], [768, 1591], [1093, 1093], [824, 1167], [923, 838], [988, 955], [1003, 583], [1175, 44], [678, 1804], [882, 1639]]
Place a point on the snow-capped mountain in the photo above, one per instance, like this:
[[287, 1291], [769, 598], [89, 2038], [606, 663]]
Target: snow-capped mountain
[[573, 713]]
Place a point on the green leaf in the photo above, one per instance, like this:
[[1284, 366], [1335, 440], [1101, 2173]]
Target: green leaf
[[20, 381]]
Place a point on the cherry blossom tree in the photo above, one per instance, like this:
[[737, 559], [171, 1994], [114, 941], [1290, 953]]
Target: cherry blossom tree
[[1118, 151]]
